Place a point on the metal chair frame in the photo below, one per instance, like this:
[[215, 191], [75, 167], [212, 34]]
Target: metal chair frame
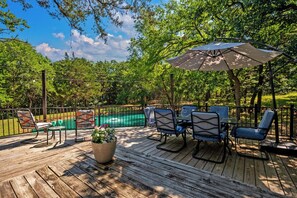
[[206, 127], [166, 124], [266, 129]]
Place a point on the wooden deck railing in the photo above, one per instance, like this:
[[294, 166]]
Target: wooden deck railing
[[129, 116]]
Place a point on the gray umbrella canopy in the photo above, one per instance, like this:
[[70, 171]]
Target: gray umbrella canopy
[[220, 56]]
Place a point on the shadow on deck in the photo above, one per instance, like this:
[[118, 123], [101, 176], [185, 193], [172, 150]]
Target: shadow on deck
[[139, 170]]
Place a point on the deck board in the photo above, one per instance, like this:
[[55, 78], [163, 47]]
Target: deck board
[[68, 169]]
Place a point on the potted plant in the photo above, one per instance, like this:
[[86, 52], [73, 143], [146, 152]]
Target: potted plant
[[103, 143]]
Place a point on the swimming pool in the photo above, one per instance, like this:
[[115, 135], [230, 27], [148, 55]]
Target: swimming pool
[[116, 120]]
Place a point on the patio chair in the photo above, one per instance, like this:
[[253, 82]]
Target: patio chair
[[27, 121], [259, 134], [184, 117], [207, 128], [186, 111], [150, 121], [223, 111], [149, 116], [84, 119], [166, 124]]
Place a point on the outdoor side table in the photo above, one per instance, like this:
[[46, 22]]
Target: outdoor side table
[[53, 129]]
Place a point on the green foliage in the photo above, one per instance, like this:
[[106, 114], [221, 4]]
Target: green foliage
[[8, 21], [20, 78], [103, 134], [171, 29], [164, 31], [77, 12]]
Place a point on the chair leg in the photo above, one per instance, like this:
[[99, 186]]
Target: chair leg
[[173, 151], [251, 156], [31, 140], [150, 137], [196, 150]]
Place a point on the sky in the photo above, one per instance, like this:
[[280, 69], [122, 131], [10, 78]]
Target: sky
[[52, 37]]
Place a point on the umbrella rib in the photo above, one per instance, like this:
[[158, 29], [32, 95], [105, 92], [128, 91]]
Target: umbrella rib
[[201, 64], [225, 61], [246, 56]]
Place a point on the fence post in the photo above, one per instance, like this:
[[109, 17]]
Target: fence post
[[99, 115], [172, 91], [44, 101], [291, 121], [256, 115]]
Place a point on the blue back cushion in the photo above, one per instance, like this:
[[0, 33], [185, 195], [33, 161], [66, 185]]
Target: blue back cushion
[[266, 121], [223, 111], [187, 110]]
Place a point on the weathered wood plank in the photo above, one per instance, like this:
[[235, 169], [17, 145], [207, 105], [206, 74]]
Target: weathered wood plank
[[230, 165], [41, 188], [286, 182], [56, 183], [291, 168], [107, 179], [17, 159], [238, 171], [6, 190], [272, 177], [128, 184], [260, 174], [69, 176], [22, 188], [160, 168], [249, 171]]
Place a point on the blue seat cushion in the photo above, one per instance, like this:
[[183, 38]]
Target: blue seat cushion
[[210, 138], [179, 130], [249, 133]]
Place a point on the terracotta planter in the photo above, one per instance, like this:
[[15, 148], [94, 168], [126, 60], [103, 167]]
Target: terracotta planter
[[104, 152]]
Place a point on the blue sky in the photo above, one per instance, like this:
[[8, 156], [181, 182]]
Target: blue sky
[[52, 37]]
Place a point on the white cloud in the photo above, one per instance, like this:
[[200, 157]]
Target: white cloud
[[128, 25], [59, 35], [93, 49], [50, 52]]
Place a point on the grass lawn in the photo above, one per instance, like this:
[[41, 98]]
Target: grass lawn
[[281, 100]]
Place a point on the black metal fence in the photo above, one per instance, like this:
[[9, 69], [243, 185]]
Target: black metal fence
[[130, 116]]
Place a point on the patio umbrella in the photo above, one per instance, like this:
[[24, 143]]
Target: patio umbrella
[[220, 56]]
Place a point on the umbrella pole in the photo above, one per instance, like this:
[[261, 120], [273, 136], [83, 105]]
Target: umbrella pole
[[274, 104]]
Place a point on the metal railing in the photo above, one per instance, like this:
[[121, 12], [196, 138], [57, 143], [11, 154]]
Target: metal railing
[[130, 116]]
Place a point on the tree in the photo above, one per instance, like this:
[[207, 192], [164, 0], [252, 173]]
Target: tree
[[75, 82], [169, 30], [8, 21], [77, 12], [21, 68]]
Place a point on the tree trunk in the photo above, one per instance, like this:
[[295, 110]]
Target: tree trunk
[[236, 86], [260, 90]]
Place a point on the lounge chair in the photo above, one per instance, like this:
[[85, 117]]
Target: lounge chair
[[84, 119], [167, 125], [27, 121], [207, 128], [150, 121], [258, 134]]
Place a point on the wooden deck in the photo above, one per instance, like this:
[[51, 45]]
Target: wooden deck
[[139, 170]]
